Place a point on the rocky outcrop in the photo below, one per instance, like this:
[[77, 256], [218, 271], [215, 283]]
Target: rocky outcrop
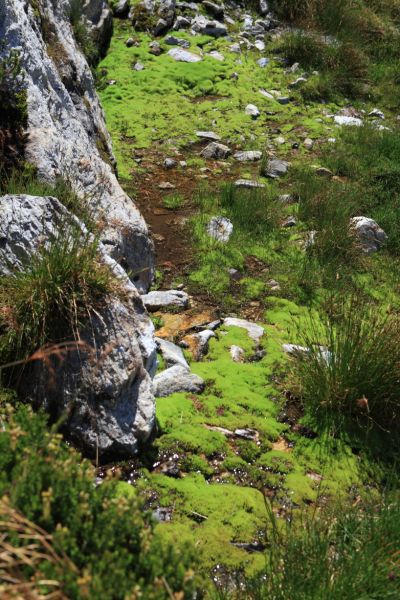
[[369, 234], [102, 388], [67, 133]]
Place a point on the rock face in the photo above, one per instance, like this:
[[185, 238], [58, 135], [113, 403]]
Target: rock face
[[103, 389], [67, 133]]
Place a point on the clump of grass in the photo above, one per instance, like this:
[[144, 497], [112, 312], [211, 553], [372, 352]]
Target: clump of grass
[[173, 202], [51, 297], [345, 553], [350, 373]]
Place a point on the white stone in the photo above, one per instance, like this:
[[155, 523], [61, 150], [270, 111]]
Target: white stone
[[255, 331]]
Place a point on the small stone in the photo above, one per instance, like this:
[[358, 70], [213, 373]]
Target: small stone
[[252, 111], [262, 62], [158, 300], [290, 222], [323, 172], [308, 143], [370, 235], [266, 94], [248, 156], [255, 331], [348, 121], [208, 135], [129, 42], [175, 380], [170, 163], [166, 185], [273, 285], [276, 168], [235, 48], [297, 83], [280, 140], [237, 354], [171, 354], [220, 228], [287, 199], [138, 66], [215, 9], [216, 55], [171, 40], [182, 55], [376, 113], [155, 48], [181, 23], [183, 164], [283, 100], [215, 150], [249, 184], [260, 45]]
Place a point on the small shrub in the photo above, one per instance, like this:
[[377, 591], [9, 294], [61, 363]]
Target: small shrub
[[104, 541], [51, 298], [356, 380]]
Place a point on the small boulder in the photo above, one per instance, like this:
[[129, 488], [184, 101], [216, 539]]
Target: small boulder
[[158, 300], [170, 163], [249, 184], [181, 55], [255, 331], [208, 135], [215, 150], [252, 111], [121, 9], [276, 168], [181, 23], [348, 121], [177, 379], [171, 354], [215, 9], [370, 235], [220, 228], [248, 156], [237, 354]]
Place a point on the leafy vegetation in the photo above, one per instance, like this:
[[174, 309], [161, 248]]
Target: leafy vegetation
[[83, 528]]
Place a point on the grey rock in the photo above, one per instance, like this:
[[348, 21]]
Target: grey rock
[[220, 228], [248, 156], [208, 135], [65, 120], [371, 237], [276, 168], [348, 121], [252, 111], [170, 163], [104, 385], [216, 55], [289, 222], [200, 341], [297, 82], [158, 300], [129, 42], [201, 24], [166, 185], [376, 113], [308, 143], [323, 172], [235, 48], [216, 150], [121, 9], [287, 199], [249, 184], [255, 331], [266, 94], [217, 10], [181, 23], [263, 7], [295, 350], [171, 354], [237, 354], [155, 48], [177, 379], [262, 62], [260, 45], [182, 55], [273, 285], [171, 40], [138, 66], [283, 100]]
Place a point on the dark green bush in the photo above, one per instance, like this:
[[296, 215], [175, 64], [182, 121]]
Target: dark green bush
[[106, 536]]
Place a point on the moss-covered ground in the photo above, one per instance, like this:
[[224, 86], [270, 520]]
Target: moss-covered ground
[[213, 479]]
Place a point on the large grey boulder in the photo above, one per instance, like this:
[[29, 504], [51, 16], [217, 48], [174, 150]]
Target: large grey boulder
[[276, 168], [102, 389], [66, 126], [171, 353], [371, 237], [177, 379]]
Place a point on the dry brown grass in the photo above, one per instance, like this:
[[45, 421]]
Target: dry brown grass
[[24, 547]]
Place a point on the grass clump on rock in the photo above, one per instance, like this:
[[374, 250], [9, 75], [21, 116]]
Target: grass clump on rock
[[49, 299]]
